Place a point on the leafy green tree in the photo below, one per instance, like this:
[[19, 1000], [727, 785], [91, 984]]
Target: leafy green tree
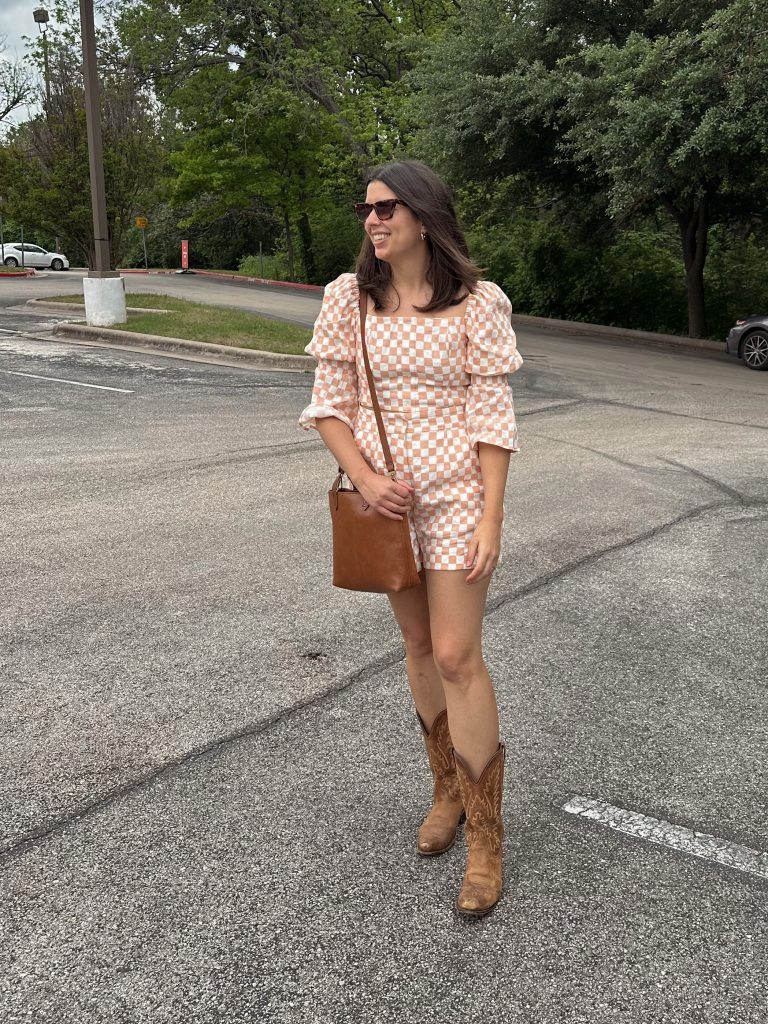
[[341, 56], [678, 121], [613, 110], [45, 160], [259, 153], [281, 104]]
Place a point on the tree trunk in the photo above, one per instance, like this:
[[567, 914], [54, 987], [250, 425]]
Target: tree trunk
[[693, 224], [694, 283], [305, 233], [289, 245]]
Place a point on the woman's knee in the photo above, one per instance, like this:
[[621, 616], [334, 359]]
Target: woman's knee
[[457, 663], [417, 639]]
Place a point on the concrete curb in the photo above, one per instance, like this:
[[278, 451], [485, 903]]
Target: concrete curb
[[277, 360], [234, 277], [17, 273], [76, 307], [575, 328], [603, 332]]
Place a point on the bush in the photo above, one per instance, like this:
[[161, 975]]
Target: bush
[[273, 267], [631, 279], [644, 283], [736, 280]]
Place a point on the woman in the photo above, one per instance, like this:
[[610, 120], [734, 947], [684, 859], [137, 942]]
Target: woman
[[440, 345]]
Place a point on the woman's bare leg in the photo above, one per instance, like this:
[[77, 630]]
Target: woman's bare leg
[[411, 612], [438, 830], [456, 615], [456, 620]]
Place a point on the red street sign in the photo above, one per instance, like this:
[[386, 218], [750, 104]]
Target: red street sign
[[184, 254]]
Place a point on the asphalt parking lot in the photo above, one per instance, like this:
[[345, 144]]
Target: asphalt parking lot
[[212, 774]]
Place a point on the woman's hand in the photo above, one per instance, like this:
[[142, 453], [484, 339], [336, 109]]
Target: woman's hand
[[391, 499], [483, 550]]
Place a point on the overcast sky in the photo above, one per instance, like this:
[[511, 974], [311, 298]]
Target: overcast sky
[[15, 21]]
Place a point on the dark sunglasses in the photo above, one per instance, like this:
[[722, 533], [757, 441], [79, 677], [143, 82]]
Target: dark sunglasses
[[385, 209]]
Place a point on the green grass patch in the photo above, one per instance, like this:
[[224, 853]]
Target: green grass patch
[[195, 321]]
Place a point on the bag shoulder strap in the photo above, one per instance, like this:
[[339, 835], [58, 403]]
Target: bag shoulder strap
[[374, 398]]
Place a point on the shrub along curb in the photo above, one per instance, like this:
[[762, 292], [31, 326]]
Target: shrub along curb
[[276, 360]]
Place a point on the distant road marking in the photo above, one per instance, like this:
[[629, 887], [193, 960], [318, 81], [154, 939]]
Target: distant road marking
[[60, 380], [664, 833]]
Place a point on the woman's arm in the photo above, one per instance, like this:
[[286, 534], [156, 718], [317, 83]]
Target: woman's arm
[[387, 497], [484, 548], [494, 466]]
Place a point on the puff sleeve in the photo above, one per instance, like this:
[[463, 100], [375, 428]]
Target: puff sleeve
[[491, 354], [333, 344]]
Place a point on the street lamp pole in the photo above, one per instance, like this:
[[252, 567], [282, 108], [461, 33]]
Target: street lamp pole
[[103, 287], [41, 18]]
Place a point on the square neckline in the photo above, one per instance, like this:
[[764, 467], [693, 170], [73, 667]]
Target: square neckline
[[420, 318], [413, 316]]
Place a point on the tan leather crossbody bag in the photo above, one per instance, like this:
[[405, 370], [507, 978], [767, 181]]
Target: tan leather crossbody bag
[[370, 551]]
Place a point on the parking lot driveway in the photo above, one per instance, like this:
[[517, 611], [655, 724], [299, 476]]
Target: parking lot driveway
[[212, 771]]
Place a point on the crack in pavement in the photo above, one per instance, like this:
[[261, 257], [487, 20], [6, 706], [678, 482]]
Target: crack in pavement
[[166, 472], [262, 452], [572, 399], [111, 796], [565, 404], [390, 658], [679, 415], [731, 492], [553, 577], [637, 466]]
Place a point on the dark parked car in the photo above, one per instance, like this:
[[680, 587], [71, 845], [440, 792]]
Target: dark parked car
[[749, 340]]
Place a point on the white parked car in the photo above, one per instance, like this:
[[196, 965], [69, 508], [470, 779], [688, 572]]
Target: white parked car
[[34, 256]]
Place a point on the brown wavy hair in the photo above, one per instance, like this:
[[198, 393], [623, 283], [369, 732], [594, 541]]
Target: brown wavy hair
[[451, 272]]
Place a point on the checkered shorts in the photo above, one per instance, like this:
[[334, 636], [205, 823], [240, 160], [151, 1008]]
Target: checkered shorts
[[432, 453]]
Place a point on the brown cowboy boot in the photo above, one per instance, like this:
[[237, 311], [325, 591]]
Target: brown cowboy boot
[[438, 832], [481, 889]]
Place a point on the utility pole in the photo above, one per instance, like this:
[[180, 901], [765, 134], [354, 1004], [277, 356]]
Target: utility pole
[[104, 289]]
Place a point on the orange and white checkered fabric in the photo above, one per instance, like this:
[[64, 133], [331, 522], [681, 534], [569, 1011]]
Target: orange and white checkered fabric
[[442, 387]]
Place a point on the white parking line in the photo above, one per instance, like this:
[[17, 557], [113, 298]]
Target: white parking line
[[60, 380], [664, 833]]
